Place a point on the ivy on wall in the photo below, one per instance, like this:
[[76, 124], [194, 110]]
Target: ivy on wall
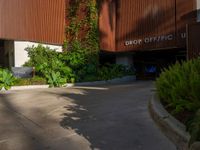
[[82, 23]]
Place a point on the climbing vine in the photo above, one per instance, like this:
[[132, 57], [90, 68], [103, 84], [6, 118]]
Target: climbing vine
[[82, 25]]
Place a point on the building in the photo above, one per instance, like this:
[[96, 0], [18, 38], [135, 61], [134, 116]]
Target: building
[[148, 33], [143, 33], [29, 22]]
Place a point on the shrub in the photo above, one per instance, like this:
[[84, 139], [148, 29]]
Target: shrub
[[81, 60], [110, 71], [6, 79], [178, 87], [78, 64], [48, 64], [55, 79]]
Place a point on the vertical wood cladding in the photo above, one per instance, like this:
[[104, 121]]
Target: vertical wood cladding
[[145, 24], [185, 14], [193, 40], [32, 20], [107, 23]]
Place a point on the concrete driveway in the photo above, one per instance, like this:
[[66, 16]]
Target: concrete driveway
[[111, 117]]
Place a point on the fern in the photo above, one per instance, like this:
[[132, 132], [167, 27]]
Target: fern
[[194, 128]]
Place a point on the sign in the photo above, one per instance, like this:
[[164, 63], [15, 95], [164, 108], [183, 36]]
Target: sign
[[154, 39], [23, 72], [148, 40]]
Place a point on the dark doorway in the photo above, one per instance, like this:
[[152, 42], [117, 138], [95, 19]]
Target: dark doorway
[[2, 55], [149, 64]]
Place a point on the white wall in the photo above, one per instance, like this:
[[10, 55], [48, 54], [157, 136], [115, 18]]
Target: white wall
[[21, 55]]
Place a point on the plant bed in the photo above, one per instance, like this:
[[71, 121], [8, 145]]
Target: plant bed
[[169, 125], [30, 81], [124, 79], [178, 90]]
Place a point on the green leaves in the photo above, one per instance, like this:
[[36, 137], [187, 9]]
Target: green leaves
[[6, 79], [50, 64], [194, 128], [179, 88], [54, 79]]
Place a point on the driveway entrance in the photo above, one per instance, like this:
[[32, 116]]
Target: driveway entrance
[[111, 117]]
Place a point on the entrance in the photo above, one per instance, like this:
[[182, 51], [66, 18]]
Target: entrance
[[149, 64]]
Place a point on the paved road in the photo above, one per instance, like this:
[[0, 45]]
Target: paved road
[[112, 117]]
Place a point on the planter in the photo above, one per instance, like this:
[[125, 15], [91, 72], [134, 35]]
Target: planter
[[95, 83], [171, 127]]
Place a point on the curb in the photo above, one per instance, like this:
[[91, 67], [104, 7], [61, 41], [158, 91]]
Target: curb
[[29, 87], [171, 127], [113, 81]]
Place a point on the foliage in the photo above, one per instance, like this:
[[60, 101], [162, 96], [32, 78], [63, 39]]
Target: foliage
[[82, 61], [82, 48], [178, 87], [55, 79], [30, 81], [83, 24], [110, 71], [194, 128], [6, 79], [48, 62]]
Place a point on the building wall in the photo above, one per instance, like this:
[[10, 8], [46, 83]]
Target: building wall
[[107, 25], [33, 20], [193, 40], [185, 14], [145, 24], [21, 56]]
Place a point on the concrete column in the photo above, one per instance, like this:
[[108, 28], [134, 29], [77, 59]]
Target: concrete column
[[198, 10], [126, 60], [9, 53]]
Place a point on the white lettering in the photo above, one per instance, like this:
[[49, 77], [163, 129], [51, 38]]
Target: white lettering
[[154, 39], [183, 35]]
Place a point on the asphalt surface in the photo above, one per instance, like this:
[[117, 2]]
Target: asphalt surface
[[110, 117]]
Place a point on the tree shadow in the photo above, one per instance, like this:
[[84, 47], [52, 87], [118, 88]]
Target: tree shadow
[[16, 129], [86, 121], [103, 122]]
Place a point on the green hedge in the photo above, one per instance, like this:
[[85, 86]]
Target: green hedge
[[179, 89], [78, 64]]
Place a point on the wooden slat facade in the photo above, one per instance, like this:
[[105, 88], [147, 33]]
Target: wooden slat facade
[[140, 20], [185, 14], [144, 24], [107, 25], [33, 20]]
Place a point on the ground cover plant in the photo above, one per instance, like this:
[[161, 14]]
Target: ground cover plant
[[179, 89], [6, 79]]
